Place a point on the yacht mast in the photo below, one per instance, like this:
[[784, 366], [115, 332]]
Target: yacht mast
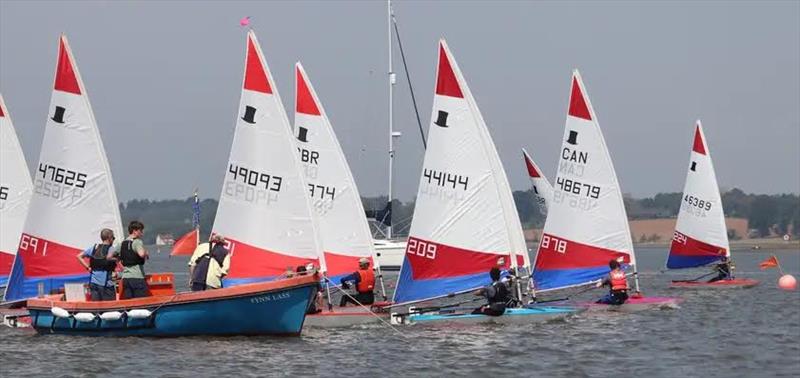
[[392, 81]]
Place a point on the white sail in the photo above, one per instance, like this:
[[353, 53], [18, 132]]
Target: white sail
[[15, 191], [586, 222], [73, 197], [343, 229], [264, 210], [701, 236], [465, 218], [542, 190]]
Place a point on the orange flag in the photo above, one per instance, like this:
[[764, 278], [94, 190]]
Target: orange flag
[[186, 244], [771, 262]]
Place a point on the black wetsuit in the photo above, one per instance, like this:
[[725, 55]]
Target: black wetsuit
[[723, 272]]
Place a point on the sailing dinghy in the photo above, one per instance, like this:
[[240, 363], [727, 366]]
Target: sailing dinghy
[[335, 200], [73, 197], [701, 237], [15, 192], [465, 220], [586, 224], [264, 211], [542, 190]]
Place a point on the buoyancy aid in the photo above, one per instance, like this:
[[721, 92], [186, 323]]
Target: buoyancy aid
[[128, 256], [618, 280], [366, 282], [501, 293], [99, 261]]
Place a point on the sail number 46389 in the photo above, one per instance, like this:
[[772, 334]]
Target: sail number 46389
[[421, 248]]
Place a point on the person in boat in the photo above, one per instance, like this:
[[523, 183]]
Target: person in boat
[[618, 285], [133, 256], [723, 270], [209, 264], [101, 265], [364, 280], [497, 294]]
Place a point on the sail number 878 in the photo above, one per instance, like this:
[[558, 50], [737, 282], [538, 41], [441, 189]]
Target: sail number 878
[[421, 248], [556, 244]]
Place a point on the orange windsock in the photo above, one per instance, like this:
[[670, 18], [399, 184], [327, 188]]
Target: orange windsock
[[771, 262]]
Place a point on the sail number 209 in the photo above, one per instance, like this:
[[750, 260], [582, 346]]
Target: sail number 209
[[421, 248]]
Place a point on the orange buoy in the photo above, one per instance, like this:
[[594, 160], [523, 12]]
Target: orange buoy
[[787, 282]]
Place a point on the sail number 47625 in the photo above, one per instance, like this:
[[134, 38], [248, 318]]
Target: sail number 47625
[[421, 248]]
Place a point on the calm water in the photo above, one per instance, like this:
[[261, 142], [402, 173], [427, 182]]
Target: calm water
[[738, 333]]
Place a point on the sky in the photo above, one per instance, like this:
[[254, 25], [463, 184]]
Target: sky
[[164, 79]]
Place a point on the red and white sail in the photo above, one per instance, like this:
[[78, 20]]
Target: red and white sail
[[465, 218], [586, 222], [701, 236], [15, 192], [343, 229], [73, 197], [542, 190], [264, 210]]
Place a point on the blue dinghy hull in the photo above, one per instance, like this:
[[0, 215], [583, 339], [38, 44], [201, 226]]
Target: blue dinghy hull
[[269, 308], [533, 314]]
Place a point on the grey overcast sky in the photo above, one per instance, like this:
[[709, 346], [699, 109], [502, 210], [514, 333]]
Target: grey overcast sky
[[164, 80]]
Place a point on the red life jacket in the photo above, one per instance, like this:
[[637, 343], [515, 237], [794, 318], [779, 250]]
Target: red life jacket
[[366, 282], [618, 280]]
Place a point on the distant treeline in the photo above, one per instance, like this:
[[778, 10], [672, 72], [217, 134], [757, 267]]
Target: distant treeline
[[767, 214]]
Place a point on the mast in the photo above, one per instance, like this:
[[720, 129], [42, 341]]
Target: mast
[[391, 111]]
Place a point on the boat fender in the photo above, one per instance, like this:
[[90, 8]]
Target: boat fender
[[139, 313], [111, 316], [84, 317], [59, 312]]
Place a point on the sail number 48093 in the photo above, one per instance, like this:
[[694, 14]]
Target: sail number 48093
[[421, 248]]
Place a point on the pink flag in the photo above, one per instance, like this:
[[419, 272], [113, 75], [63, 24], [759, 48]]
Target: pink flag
[[244, 21]]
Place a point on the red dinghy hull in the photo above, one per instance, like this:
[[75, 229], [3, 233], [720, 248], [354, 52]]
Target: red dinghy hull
[[637, 303], [736, 283]]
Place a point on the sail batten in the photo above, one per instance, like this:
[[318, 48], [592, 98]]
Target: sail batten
[[73, 197], [465, 221]]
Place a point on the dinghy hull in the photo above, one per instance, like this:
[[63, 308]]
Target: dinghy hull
[[736, 283], [533, 314], [339, 317], [637, 304], [267, 308]]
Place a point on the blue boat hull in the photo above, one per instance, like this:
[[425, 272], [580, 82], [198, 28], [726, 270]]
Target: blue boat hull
[[277, 312], [512, 315]]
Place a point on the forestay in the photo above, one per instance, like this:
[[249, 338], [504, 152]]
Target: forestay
[[701, 236], [542, 190], [15, 192], [343, 229], [73, 197], [264, 211], [586, 223], [465, 220]]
